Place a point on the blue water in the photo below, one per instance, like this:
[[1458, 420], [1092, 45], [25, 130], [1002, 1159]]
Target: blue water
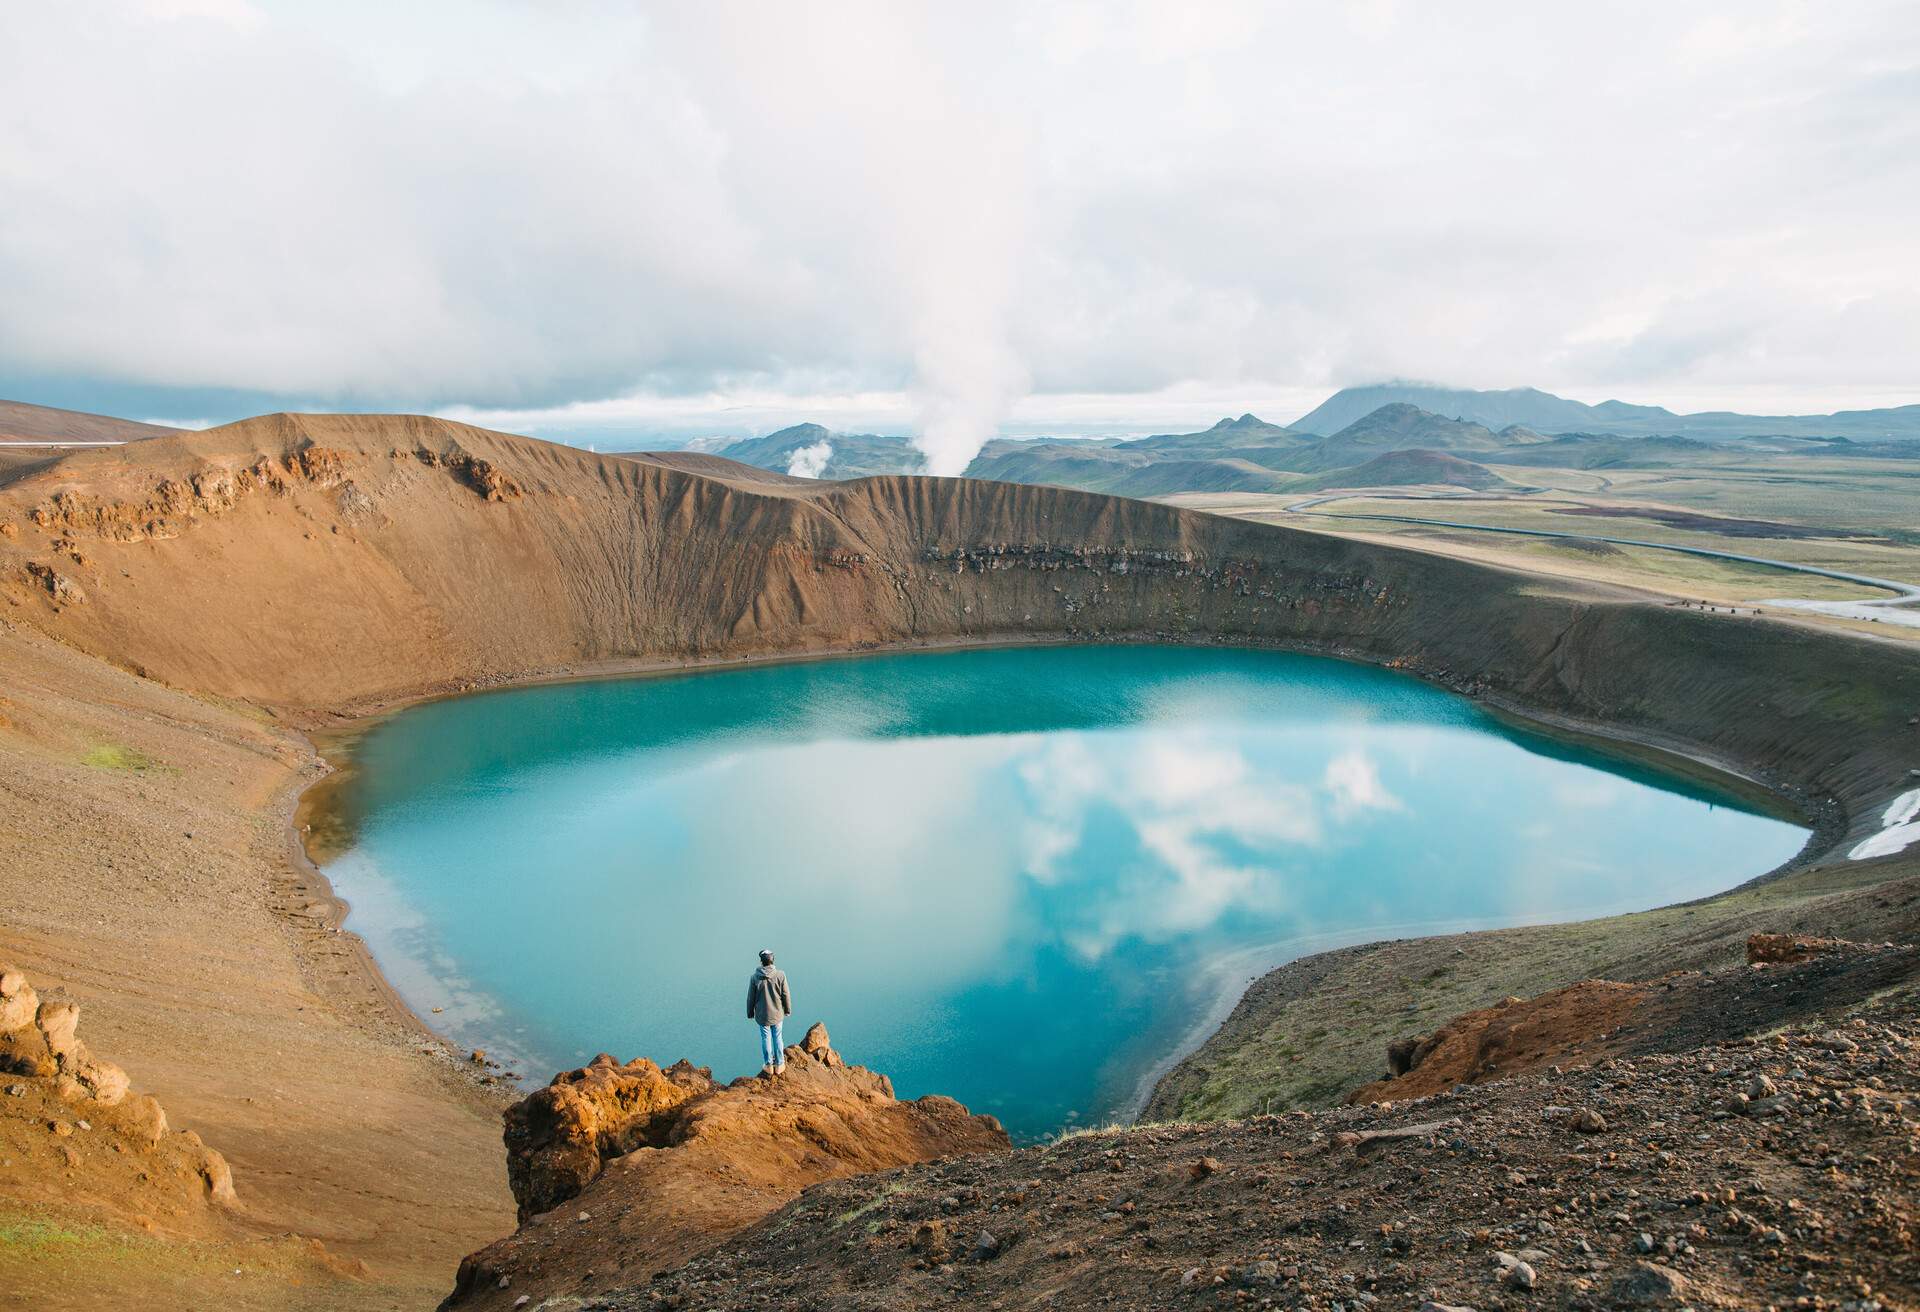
[[1020, 877]]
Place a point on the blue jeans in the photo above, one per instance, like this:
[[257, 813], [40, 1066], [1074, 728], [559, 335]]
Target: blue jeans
[[771, 1048]]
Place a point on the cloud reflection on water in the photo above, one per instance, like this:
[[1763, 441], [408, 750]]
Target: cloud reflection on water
[[1024, 919]]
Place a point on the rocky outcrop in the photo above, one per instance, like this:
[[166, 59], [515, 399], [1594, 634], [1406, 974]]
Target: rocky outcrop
[[625, 1170], [40, 1038], [1789, 977], [1514, 1034], [559, 1138], [483, 476], [63, 590], [175, 504], [63, 1108]]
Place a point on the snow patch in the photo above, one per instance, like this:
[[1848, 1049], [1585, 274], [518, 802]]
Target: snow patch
[[1899, 829]]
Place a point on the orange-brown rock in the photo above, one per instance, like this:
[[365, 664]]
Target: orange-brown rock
[[559, 1137], [1505, 1039], [72, 1134], [485, 477], [817, 1045], [693, 1163], [19, 1004], [63, 590]]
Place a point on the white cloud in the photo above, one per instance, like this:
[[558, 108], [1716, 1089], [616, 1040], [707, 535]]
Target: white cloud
[[1353, 782], [1193, 806], [940, 212]]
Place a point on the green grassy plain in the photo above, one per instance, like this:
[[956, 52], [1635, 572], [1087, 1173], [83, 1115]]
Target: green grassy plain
[[1859, 516]]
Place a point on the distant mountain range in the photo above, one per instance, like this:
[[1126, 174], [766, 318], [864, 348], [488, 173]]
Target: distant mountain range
[[1247, 454], [1546, 413], [1395, 434], [1450, 437]]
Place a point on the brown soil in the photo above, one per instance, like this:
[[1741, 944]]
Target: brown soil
[[1595, 1019], [18, 460], [1515, 1036], [625, 1172], [145, 870], [21, 421], [1775, 1171]]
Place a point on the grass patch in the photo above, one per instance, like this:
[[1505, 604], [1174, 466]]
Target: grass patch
[[50, 1244], [1088, 1132], [887, 1191], [28, 1236], [118, 756]]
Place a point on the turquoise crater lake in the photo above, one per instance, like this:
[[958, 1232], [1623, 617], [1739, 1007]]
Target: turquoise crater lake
[[1021, 877]]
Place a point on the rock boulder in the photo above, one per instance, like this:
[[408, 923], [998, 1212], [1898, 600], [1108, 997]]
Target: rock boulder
[[558, 1138], [18, 1002]]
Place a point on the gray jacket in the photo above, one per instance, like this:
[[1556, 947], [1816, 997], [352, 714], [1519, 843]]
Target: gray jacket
[[767, 998]]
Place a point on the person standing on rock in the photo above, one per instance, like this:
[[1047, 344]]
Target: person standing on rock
[[769, 1003]]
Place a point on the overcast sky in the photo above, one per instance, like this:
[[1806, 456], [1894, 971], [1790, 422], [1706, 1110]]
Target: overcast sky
[[575, 216]]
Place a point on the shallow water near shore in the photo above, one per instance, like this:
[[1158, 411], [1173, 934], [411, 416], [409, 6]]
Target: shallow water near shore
[[1018, 877]]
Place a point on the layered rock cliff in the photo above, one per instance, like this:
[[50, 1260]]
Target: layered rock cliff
[[318, 563]]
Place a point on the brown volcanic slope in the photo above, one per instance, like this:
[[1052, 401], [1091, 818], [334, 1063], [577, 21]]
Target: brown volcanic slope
[[24, 429], [273, 572], [20, 420], [146, 868]]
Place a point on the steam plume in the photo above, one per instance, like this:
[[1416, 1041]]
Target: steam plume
[[968, 380], [810, 461]]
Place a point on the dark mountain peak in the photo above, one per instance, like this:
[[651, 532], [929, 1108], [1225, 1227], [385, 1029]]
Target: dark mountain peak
[[1405, 417], [1401, 412], [1245, 433], [1244, 422], [802, 433], [1627, 410]]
